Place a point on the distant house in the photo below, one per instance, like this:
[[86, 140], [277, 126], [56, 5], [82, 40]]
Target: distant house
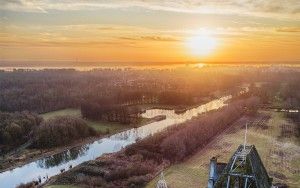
[[244, 170]]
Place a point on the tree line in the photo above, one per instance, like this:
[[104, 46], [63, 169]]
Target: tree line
[[110, 112], [123, 107], [183, 143], [182, 140], [48, 90]]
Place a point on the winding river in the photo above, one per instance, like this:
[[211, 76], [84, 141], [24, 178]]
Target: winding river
[[51, 165]]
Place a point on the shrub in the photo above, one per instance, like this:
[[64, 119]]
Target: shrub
[[61, 131], [27, 185], [199, 131], [16, 128]]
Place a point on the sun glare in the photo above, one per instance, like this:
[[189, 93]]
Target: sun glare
[[201, 45]]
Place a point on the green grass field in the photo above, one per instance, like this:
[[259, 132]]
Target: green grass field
[[107, 127], [280, 154], [65, 112], [113, 127], [100, 126]]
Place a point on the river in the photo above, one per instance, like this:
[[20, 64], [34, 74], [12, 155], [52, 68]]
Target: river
[[51, 165]]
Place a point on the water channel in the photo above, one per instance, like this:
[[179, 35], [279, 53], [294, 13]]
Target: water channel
[[51, 165]]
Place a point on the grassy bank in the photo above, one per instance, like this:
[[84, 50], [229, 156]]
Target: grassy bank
[[102, 127], [114, 127], [274, 137]]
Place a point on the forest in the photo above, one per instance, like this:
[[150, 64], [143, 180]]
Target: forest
[[113, 95], [110, 112], [48, 90]]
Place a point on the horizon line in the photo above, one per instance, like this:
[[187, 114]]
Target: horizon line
[[53, 63]]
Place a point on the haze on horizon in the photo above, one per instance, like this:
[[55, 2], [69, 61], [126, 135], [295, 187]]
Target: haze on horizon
[[150, 31]]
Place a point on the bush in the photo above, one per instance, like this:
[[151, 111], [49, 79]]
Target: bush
[[131, 170], [27, 185], [138, 181], [61, 131], [17, 128], [199, 131]]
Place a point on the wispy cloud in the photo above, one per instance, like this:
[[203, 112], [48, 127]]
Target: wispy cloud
[[283, 8], [22, 6], [89, 35], [152, 38], [289, 29]]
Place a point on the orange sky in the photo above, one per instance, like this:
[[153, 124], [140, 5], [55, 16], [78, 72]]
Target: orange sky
[[154, 31]]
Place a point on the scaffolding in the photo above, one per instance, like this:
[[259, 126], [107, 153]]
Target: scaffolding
[[161, 182], [244, 170]]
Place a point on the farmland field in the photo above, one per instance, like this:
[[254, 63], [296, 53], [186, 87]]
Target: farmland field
[[273, 135]]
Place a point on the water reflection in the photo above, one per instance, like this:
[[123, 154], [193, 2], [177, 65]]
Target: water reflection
[[63, 157], [52, 165]]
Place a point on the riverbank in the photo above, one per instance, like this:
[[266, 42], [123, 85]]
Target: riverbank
[[274, 136], [138, 163], [178, 108], [105, 129], [30, 155], [53, 165]]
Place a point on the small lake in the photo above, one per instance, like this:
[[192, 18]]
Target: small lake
[[50, 166]]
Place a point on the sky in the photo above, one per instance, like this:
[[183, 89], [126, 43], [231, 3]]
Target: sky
[[142, 31]]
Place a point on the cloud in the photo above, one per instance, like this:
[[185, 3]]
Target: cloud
[[59, 43], [22, 6], [284, 8], [159, 38], [289, 29], [152, 38], [89, 35], [111, 35]]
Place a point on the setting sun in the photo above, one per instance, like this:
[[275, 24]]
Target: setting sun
[[201, 45]]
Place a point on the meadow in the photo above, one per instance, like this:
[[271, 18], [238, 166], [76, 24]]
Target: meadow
[[274, 136]]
